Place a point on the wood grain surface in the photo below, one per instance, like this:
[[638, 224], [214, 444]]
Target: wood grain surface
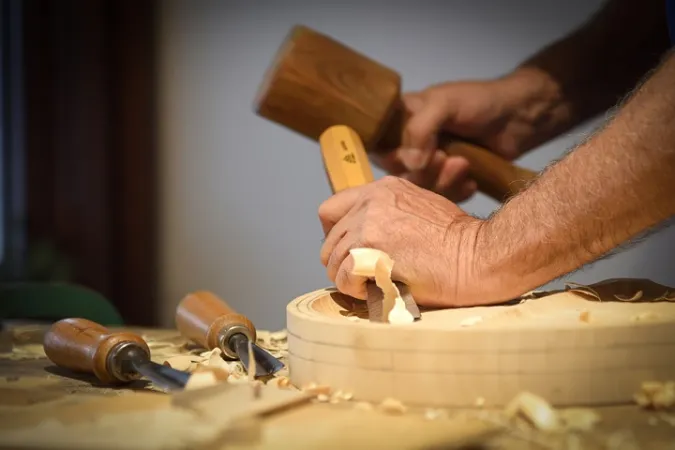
[[34, 394], [562, 346]]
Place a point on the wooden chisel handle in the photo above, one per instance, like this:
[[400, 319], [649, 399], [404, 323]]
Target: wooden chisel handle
[[84, 346], [209, 321], [495, 176], [344, 158]]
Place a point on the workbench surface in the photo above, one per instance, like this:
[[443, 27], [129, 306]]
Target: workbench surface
[[33, 391]]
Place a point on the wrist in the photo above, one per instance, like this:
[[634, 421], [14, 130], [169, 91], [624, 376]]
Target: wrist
[[506, 261]]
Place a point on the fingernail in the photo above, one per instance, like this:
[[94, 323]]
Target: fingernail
[[413, 158]]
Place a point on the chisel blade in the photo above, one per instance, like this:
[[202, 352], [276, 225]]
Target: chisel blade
[[265, 363], [375, 302], [164, 377]]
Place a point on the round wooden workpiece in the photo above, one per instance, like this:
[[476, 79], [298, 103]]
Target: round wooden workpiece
[[568, 349]]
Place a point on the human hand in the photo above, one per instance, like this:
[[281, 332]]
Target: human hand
[[494, 114], [430, 239]]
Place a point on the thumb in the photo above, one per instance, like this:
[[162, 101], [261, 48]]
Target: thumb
[[427, 116]]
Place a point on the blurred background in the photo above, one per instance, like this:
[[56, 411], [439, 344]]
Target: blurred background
[[133, 163]]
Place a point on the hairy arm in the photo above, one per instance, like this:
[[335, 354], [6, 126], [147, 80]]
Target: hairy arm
[[610, 189], [588, 71]]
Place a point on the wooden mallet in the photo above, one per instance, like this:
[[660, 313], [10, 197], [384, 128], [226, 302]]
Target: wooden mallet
[[316, 82]]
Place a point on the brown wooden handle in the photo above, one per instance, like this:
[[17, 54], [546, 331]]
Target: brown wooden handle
[[81, 345], [203, 318], [495, 176]]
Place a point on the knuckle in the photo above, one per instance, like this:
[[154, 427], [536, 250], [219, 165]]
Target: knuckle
[[371, 234], [388, 180]]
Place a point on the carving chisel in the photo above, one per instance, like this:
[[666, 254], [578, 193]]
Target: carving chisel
[[347, 166], [84, 346], [207, 320]]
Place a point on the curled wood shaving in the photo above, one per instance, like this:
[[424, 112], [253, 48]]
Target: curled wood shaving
[[392, 406], [624, 290], [322, 397], [536, 410], [183, 362], [369, 262], [204, 377], [656, 395]]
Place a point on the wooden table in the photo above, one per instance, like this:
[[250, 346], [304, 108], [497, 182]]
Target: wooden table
[[32, 391]]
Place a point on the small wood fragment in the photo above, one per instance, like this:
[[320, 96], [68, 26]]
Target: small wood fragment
[[656, 395], [392, 406], [181, 362], [204, 377], [315, 389], [536, 410], [585, 316], [281, 382]]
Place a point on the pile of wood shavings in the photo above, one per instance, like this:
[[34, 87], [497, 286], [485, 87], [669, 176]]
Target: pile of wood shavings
[[656, 395], [211, 367], [542, 416], [325, 394], [25, 351]]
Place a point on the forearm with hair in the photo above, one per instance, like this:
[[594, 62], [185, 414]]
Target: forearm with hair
[[589, 70], [611, 188]]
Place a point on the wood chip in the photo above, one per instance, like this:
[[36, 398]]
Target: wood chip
[[204, 377], [216, 360], [182, 362], [392, 406], [536, 410], [656, 395], [316, 389], [585, 316], [281, 382]]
